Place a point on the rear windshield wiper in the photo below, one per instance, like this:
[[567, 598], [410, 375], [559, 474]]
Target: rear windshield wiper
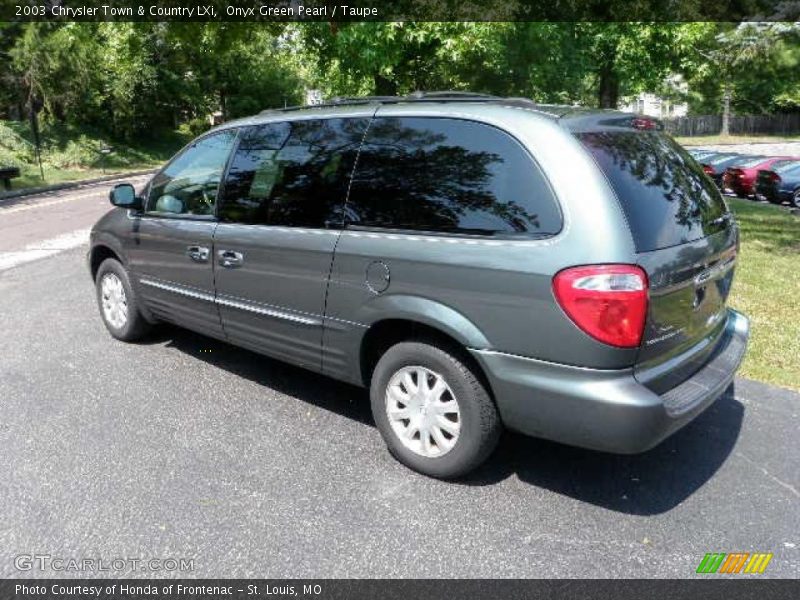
[[723, 220]]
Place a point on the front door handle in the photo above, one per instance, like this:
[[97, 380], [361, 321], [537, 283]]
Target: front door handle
[[230, 259], [198, 253]]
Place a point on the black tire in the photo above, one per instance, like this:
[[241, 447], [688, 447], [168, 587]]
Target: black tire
[[796, 199], [480, 425], [135, 326]]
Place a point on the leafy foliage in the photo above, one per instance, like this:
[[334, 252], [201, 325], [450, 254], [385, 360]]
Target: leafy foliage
[[136, 78]]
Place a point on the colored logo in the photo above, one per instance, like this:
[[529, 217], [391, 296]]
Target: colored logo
[[737, 562]]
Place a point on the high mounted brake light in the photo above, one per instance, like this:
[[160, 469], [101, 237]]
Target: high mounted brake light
[[643, 123], [608, 302]]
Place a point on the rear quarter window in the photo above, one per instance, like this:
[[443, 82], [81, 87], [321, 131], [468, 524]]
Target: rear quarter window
[[451, 176], [665, 195]]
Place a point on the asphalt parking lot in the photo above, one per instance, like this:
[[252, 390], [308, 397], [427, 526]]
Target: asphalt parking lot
[[186, 447]]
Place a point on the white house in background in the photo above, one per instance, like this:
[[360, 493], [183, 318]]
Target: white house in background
[[652, 105], [655, 106], [314, 97]]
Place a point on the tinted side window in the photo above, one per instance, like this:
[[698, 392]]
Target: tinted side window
[[293, 173], [665, 195], [189, 184], [449, 175]]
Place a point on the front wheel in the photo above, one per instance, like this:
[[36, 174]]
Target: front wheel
[[119, 306], [433, 412], [796, 199]]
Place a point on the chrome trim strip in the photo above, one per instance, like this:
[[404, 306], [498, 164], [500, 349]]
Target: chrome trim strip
[[177, 290], [714, 272], [242, 304], [268, 312]]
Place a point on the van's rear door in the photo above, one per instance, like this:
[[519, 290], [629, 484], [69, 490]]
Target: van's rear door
[[686, 241]]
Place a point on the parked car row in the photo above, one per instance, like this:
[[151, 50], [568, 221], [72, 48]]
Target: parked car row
[[775, 179]]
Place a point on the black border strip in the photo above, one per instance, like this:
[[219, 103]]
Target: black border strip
[[709, 588], [733, 11]]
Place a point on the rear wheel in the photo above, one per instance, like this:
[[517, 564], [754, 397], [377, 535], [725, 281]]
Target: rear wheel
[[119, 306], [434, 413]]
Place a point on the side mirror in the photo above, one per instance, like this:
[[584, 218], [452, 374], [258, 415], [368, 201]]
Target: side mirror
[[124, 196]]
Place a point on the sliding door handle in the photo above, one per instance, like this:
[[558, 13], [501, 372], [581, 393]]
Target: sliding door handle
[[198, 253], [230, 259]]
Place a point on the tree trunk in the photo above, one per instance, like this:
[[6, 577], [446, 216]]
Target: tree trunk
[[223, 104], [608, 90], [726, 111], [37, 140], [384, 87]]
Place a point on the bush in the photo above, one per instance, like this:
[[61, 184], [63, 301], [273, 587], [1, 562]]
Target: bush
[[15, 150], [195, 127]]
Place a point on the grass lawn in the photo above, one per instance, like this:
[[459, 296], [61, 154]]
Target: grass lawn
[[70, 153], [711, 140], [767, 289]]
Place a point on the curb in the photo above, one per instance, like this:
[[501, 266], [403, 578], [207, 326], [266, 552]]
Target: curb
[[70, 184]]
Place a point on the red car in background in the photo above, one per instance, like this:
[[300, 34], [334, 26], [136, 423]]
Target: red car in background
[[741, 178]]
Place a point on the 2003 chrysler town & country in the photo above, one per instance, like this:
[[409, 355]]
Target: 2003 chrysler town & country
[[476, 262]]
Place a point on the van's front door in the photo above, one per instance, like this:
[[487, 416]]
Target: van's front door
[[280, 218], [171, 253]]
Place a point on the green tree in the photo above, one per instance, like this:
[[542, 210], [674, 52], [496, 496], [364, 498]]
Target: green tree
[[394, 58], [749, 66]]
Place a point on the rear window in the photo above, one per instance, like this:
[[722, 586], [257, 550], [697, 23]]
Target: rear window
[[450, 176], [752, 162], [787, 167], [665, 195]]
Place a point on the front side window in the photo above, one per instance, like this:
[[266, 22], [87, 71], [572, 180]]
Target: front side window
[[451, 176], [293, 173], [189, 184]]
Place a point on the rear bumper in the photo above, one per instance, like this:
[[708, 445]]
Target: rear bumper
[[603, 409]]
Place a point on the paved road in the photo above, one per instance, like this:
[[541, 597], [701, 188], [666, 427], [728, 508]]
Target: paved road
[[187, 447], [33, 227]]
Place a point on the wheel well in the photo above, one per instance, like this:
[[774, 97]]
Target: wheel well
[[99, 254], [385, 334]]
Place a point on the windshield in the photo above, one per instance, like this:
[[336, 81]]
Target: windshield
[[721, 159], [665, 195]]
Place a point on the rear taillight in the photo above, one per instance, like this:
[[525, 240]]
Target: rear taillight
[[774, 177], [609, 302], [708, 170]]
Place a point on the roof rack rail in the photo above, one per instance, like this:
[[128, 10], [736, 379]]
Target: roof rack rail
[[418, 96], [450, 94]]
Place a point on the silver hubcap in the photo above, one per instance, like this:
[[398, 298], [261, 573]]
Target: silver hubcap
[[423, 411], [115, 304]]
